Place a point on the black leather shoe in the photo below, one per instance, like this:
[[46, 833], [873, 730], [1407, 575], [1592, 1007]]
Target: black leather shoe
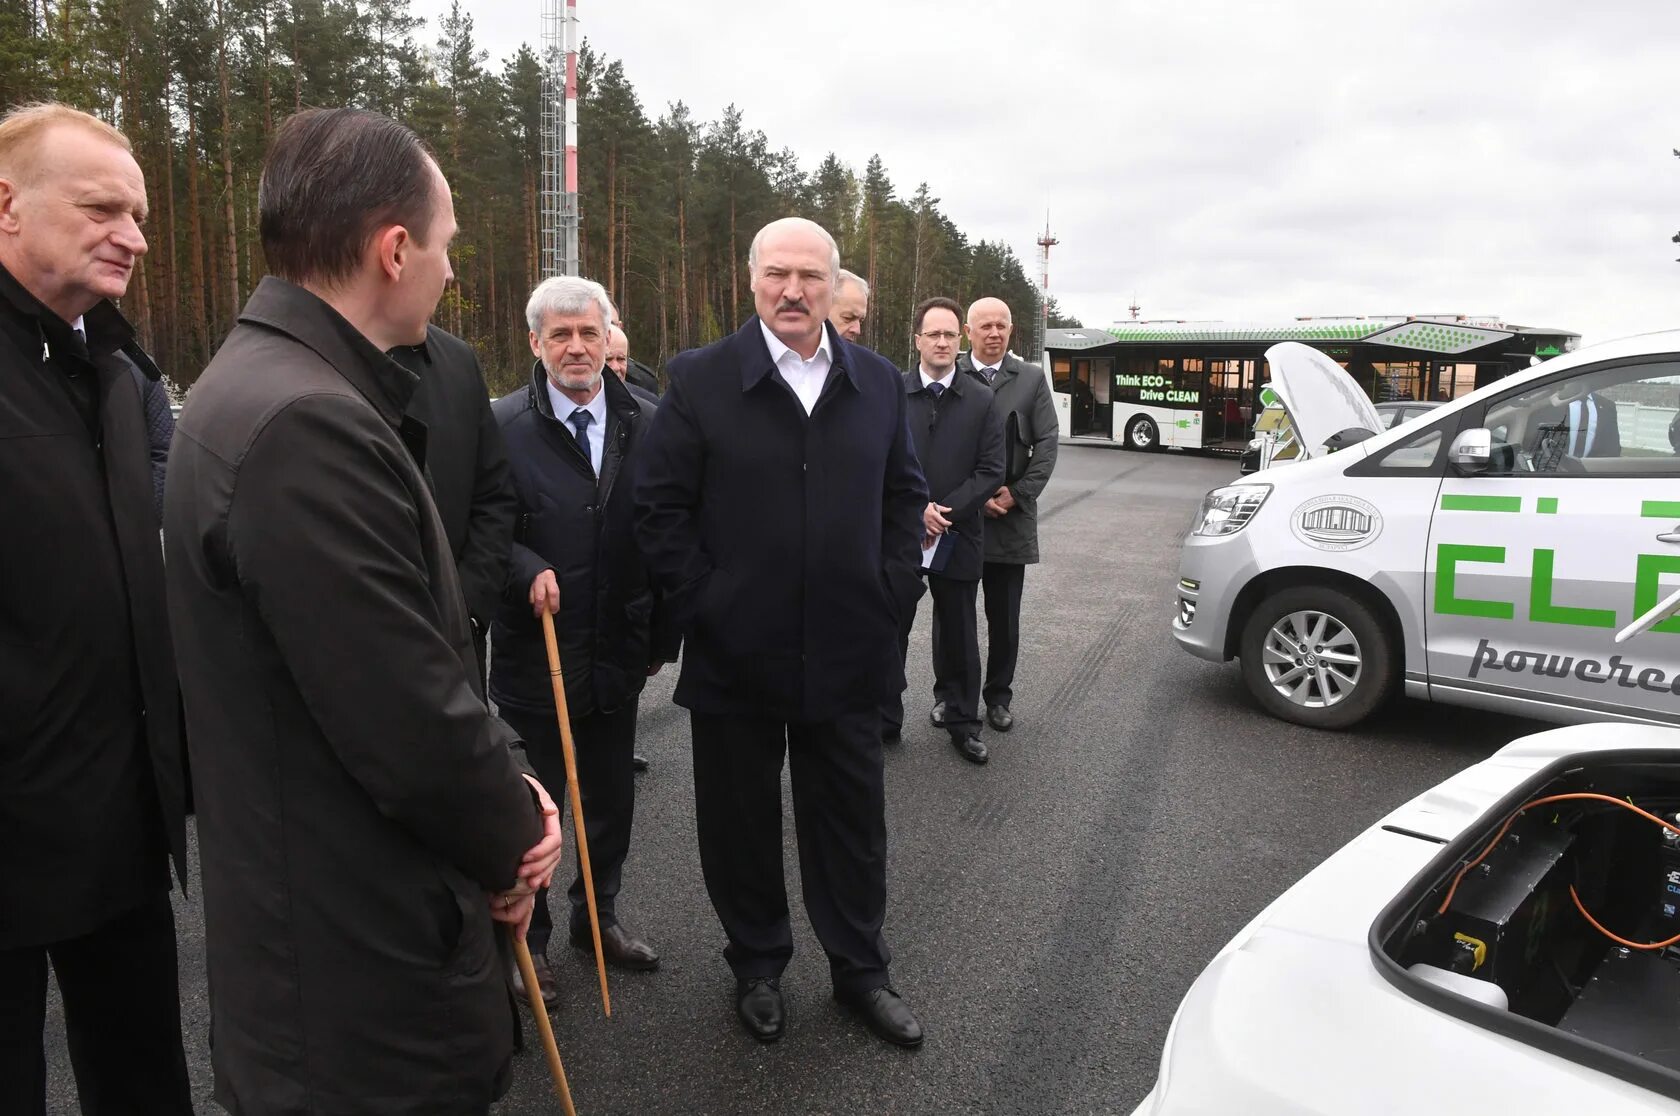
[[970, 748], [759, 1004], [886, 1013], [1000, 718], [546, 987], [937, 714], [639, 762], [620, 948]]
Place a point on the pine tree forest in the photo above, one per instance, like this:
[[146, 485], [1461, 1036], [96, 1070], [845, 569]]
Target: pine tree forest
[[669, 203]]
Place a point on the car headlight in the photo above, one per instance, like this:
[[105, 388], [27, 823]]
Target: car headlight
[[1225, 511]]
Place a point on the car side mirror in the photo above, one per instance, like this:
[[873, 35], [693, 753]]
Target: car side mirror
[[1342, 439], [1472, 450]]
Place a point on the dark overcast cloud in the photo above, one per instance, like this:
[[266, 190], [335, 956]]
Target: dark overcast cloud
[[1227, 160]]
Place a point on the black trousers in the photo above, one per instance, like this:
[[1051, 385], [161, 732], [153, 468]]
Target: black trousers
[[839, 813], [604, 743], [956, 653], [892, 710], [1003, 582], [122, 1018]]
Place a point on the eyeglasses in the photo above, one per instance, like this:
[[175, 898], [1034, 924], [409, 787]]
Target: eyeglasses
[[942, 335]]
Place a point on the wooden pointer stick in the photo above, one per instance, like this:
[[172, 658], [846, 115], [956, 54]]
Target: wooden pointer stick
[[559, 683], [522, 953]]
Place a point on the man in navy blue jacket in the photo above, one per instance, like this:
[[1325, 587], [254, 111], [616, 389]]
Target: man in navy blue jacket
[[573, 438], [780, 507], [959, 441]]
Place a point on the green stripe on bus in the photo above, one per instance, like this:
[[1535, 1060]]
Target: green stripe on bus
[[1482, 503], [1546, 505], [1660, 509]]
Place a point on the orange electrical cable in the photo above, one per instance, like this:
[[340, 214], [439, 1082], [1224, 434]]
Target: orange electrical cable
[[1576, 797], [1664, 944]]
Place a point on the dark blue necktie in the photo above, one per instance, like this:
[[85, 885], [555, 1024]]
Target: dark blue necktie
[[580, 421], [937, 390]]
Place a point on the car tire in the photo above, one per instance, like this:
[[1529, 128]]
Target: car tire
[[1285, 664], [1142, 434]]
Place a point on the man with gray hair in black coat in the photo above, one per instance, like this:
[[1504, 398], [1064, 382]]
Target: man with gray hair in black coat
[[851, 305], [574, 436]]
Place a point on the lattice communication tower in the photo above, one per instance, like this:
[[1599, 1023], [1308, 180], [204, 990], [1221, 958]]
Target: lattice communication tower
[[559, 138]]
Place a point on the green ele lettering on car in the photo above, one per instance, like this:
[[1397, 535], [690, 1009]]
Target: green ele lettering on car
[[1542, 606]]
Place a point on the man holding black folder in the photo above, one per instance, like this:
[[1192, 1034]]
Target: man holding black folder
[[959, 441]]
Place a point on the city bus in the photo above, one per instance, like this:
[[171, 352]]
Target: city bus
[[1196, 385]]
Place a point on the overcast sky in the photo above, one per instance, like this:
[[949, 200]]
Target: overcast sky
[[1219, 160]]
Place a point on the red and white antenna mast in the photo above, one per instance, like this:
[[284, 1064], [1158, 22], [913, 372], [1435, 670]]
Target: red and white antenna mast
[[559, 138]]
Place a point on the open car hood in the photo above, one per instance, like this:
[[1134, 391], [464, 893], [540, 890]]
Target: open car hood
[[1322, 399], [1293, 1018]]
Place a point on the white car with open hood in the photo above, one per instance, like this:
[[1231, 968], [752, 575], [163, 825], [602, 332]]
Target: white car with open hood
[[1307, 408], [1503, 943], [1486, 554]]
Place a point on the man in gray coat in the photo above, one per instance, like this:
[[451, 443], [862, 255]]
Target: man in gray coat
[[363, 821], [1022, 400]]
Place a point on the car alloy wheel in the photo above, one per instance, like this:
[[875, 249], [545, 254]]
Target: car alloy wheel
[[1319, 656], [1312, 659]]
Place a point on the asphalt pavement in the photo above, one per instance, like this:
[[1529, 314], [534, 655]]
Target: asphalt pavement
[[1046, 911]]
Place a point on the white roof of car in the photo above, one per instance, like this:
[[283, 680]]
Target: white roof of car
[[1639, 344]]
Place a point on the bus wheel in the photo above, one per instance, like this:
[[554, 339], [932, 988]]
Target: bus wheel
[[1317, 657], [1142, 435]]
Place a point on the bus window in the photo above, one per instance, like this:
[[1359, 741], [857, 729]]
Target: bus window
[[1398, 381]]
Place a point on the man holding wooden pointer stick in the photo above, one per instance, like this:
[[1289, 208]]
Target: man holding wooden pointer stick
[[363, 821], [573, 438]]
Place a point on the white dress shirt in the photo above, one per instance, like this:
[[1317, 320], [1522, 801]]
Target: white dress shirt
[[597, 408], [944, 380], [981, 370], [1579, 446], [805, 377]]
